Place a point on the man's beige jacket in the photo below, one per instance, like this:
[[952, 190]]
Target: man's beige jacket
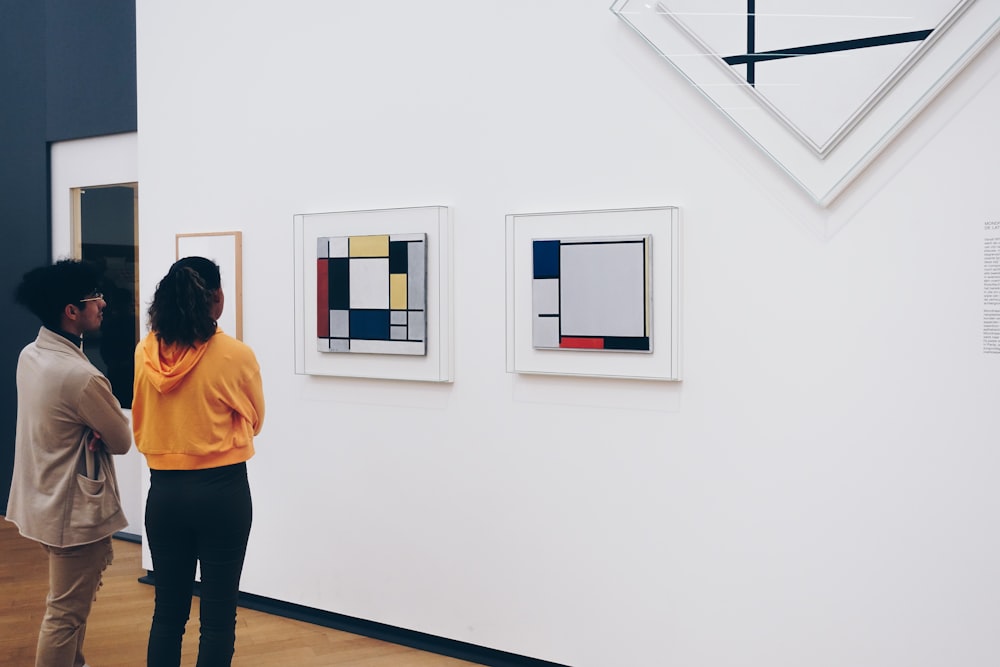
[[61, 397]]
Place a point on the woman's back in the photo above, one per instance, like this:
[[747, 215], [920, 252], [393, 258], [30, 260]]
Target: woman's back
[[196, 406]]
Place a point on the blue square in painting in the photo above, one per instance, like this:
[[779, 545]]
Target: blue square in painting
[[545, 257], [370, 324], [339, 283], [398, 253]]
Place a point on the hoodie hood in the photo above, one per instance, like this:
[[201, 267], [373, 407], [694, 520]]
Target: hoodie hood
[[168, 365]]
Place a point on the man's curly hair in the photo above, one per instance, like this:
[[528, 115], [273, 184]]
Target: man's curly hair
[[47, 290]]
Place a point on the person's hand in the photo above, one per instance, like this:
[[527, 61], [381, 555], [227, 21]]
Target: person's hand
[[95, 439]]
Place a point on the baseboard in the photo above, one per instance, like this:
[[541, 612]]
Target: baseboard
[[418, 640], [128, 537]]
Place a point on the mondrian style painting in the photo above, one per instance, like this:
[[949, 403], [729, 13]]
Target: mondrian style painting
[[372, 294], [592, 293]]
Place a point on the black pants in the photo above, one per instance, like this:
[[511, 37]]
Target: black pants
[[192, 516]]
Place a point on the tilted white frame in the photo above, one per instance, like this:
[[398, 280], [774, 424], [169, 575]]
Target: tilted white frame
[[823, 176]]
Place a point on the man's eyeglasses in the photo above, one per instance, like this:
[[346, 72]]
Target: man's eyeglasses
[[97, 297]]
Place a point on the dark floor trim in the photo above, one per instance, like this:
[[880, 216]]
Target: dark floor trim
[[418, 640], [128, 537]]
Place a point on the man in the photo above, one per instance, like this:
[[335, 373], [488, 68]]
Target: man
[[64, 493]]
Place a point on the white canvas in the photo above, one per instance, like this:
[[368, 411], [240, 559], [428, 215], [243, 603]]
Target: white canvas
[[603, 289], [545, 296], [339, 327], [416, 325], [394, 347], [369, 283], [339, 246], [545, 332], [416, 276]]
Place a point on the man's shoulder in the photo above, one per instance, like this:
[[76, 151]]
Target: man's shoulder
[[51, 341], [48, 346], [52, 351]]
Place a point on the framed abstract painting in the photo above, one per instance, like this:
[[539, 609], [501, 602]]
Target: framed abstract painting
[[592, 293], [581, 288], [373, 294]]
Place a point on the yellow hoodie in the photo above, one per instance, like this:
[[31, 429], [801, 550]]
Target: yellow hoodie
[[196, 407]]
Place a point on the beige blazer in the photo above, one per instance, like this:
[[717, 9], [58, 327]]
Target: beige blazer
[[61, 396]]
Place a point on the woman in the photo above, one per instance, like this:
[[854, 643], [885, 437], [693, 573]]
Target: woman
[[198, 403]]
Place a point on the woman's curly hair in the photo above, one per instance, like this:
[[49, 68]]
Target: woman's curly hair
[[181, 311]]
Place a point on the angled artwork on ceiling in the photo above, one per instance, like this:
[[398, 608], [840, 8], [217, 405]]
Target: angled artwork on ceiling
[[821, 86]]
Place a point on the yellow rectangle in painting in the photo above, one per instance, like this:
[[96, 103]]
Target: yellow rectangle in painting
[[397, 291], [370, 246]]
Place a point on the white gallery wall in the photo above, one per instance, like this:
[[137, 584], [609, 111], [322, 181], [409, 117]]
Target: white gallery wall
[[820, 489]]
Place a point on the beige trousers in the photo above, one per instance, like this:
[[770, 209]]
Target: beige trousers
[[74, 577]]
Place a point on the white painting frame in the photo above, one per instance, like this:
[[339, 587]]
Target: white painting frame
[[825, 171], [437, 365], [226, 250], [663, 224]]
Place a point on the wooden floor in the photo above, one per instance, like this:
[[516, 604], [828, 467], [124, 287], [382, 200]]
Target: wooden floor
[[119, 622]]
